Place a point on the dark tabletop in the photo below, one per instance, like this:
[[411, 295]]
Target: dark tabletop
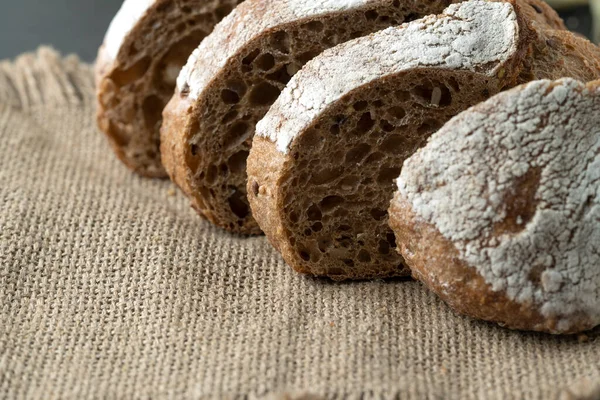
[[78, 26]]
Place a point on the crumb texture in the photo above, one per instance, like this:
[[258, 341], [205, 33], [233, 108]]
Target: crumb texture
[[235, 76], [469, 36], [325, 206], [145, 48], [515, 184]]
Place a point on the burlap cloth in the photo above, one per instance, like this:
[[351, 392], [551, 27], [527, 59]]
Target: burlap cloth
[[112, 287]]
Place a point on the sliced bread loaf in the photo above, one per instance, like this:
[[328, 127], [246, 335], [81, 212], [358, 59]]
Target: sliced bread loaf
[[237, 73], [323, 162], [499, 213], [145, 47]]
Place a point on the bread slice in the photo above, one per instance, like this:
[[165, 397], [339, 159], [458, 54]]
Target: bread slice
[[237, 73], [145, 47], [500, 213], [322, 166]]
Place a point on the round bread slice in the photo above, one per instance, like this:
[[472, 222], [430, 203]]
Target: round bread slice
[[499, 213], [146, 46], [236, 74], [322, 167]]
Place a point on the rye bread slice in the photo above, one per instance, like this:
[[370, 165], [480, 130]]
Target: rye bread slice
[[322, 166], [499, 213], [237, 73], [145, 48]]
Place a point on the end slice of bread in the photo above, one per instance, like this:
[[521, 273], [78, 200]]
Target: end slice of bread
[[145, 48], [499, 213], [235, 76], [322, 167]]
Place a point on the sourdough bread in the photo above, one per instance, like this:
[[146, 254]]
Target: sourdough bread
[[236, 74], [145, 47], [499, 213], [322, 168]]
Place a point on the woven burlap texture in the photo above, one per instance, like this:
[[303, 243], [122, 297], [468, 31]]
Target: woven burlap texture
[[112, 287]]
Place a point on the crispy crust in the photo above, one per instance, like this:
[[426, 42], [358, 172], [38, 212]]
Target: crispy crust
[[266, 211], [514, 216], [435, 261]]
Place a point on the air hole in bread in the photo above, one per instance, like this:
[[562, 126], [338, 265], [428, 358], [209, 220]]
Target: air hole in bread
[[402, 95], [120, 137], [181, 27], [305, 255], [281, 42], [238, 204], [325, 176], [314, 213], [388, 174], [250, 57], [265, 62], [306, 56], [358, 153], [238, 86], [432, 94], [349, 183], [282, 75], [396, 112], [211, 174], [237, 134], [123, 77], [383, 247], [391, 238], [365, 124], [330, 202], [314, 26], [237, 162], [360, 105], [230, 116], [378, 214], [371, 15], [429, 126], [393, 144], [229, 96], [152, 109], [364, 256], [263, 94]]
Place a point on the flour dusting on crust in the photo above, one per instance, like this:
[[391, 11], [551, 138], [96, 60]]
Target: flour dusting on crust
[[130, 13], [247, 22], [469, 36], [544, 133]]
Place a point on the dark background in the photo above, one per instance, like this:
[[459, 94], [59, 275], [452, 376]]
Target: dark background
[[78, 26]]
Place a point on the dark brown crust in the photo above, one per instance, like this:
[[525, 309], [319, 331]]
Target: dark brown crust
[[129, 112], [435, 261], [264, 210]]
